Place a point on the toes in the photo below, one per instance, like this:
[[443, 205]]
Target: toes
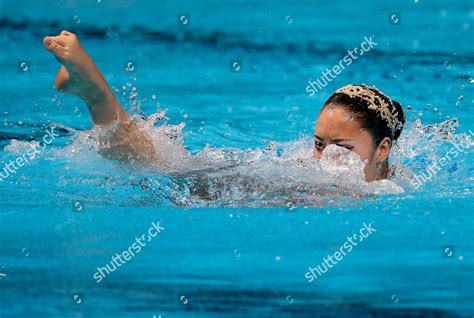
[[53, 42], [47, 41], [62, 46], [53, 47], [69, 37], [58, 48], [50, 44], [59, 40]]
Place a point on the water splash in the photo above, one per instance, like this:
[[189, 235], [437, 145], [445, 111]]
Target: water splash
[[280, 174]]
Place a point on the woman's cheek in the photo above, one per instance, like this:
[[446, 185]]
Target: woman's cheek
[[362, 154], [316, 153]]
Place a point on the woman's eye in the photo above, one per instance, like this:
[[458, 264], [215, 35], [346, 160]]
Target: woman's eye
[[319, 144], [347, 147]]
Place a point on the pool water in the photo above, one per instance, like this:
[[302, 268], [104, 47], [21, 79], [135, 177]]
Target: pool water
[[271, 213]]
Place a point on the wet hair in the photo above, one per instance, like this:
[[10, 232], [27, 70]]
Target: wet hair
[[370, 113]]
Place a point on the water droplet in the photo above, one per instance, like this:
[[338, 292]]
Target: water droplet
[[237, 253], [461, 258], [395, 298], [459, 100], [447, 65], [289, 19], [289, 299], [77, 19], [277, 258]]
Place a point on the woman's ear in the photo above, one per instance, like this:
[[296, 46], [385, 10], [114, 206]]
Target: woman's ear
[[383, 150]]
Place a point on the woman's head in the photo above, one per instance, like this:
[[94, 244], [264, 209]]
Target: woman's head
[[364, 120]]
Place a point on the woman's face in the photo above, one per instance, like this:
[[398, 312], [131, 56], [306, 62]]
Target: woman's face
[[336, 126]]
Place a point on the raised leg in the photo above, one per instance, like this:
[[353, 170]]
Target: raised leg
[[80, 76]]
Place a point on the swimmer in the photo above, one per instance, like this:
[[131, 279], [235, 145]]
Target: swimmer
[[363, 120], [357, 117]]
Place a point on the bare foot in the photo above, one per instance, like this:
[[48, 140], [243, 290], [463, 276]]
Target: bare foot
[[78, 74]]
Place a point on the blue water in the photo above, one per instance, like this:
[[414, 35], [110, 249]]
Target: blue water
[[244, 253]]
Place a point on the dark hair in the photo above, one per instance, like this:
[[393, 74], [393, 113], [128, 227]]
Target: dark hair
[[368, 118]]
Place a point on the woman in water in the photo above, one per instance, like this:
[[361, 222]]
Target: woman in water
[[357, 117]]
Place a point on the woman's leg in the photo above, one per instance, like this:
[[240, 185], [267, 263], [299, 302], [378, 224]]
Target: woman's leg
[[80, 76]]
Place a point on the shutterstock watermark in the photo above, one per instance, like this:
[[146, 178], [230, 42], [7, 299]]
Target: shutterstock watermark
[[332, 260], [458, 148], [329, 74], [13, 166], [129, 253]]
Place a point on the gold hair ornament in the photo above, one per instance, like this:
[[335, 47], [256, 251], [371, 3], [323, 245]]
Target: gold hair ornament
[[375, 102]]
